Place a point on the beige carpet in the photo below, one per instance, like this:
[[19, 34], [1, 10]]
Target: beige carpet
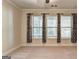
[[45, 53]]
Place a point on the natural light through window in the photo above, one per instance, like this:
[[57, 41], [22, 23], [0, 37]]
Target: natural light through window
[[51, 26], [66, 26], [37, 26]]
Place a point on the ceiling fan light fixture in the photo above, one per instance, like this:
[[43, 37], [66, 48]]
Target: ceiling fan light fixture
[[54, 5]]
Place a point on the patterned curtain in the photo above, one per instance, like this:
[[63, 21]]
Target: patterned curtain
[[44, 29], [58, 29], [29, 28], [74, 29]]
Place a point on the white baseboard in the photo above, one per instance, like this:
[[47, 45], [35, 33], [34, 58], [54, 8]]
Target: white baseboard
[[30, 44], [10, 50]]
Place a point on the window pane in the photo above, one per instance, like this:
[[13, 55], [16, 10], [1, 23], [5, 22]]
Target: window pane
[[37, 21], [52, 32], [40, 31], [51, 21], [37, 32], [66, 32], [66, 21]]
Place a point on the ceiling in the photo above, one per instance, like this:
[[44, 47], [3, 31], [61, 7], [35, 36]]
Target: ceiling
[[40, 4]]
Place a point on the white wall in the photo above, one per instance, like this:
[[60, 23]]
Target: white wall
[[11, 27], [39, 11]]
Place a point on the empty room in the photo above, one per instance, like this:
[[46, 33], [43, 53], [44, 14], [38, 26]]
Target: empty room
[[39, 29]]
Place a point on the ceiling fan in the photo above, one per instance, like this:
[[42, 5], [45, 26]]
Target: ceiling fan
[[47, 1]]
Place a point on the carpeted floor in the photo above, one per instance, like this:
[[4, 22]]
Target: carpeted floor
[[67, 52]]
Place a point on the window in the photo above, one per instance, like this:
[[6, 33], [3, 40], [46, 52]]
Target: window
[[52, 32], [51, 26], [66, 25], [37, 26]]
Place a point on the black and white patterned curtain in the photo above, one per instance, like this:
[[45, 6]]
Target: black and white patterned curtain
[[44, 29], [58, 29], [29, 28], [74, 29]]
